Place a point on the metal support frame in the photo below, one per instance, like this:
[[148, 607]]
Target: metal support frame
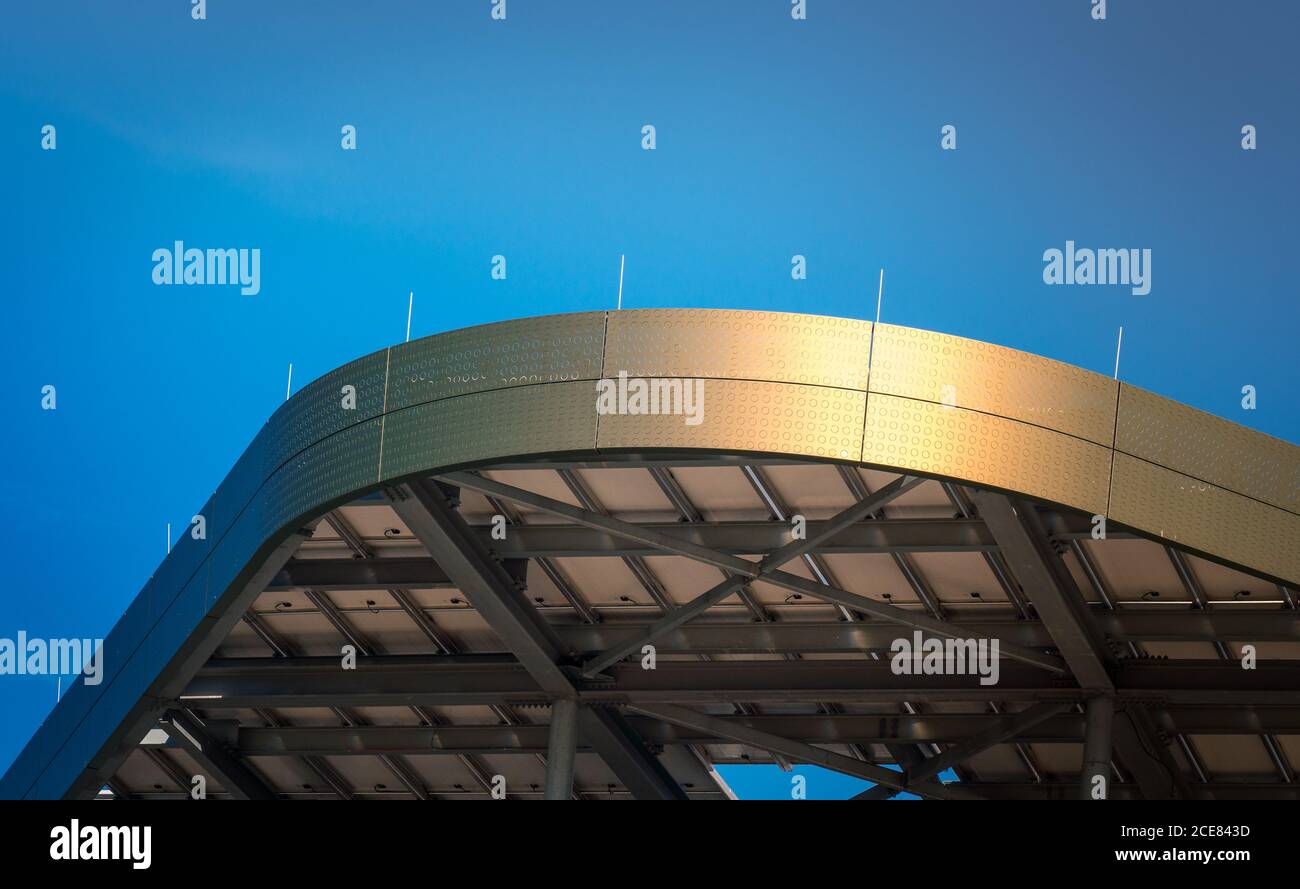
[[168, 767], [431, 632], [737, 731], [572, 541], [815, 728], [402, 771], [192, 735], [1052, 591], [401, 680], [425, 509], [625, 752], [193, 652], [1133, 706], [735, 565], [991, 737], [1187, 576], [905, 756], [1063, 790], [316, 764], [916, 773], [561, 748], [576, 600], [792, 550], [1049, 587], [1094, 777]]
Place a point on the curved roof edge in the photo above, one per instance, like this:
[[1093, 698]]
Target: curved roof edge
[[788, 385]]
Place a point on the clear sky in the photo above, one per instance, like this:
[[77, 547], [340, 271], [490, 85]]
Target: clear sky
[[522, 137]]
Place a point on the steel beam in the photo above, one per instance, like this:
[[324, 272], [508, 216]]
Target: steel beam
[[489, 679], [352, 573], [172, 770], [1061, 790], [440, 641], [840, 522], [735, 565], [669, 622], [1138, 742], [819, 728], [626, 754], [747, 538], [1194, 589], [1226, 622], [1049, 587], [493, 593], [500, 601], [999, 731], [191, 653], [795, 750], [1006, 730], [561, 746], [826, 636], [778, 557], [548, 566], [192, 735]]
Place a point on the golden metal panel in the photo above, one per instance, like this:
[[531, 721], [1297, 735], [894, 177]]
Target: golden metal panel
[[1209, 448], [986, 450], [955, 371], [774, 346], [779, 384], [739, 415], [497, 425], [1205, 517], [552, 349]]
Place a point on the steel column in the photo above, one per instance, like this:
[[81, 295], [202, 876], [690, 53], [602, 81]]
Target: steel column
[[1094, 779], [561, 747]]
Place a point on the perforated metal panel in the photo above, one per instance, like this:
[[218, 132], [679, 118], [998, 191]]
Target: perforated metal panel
[[966, 373], [1206, 447], [772, 346], [779, 418], [986, 450], [323, 408], [1205, 517], [557, 348], [525, 420]]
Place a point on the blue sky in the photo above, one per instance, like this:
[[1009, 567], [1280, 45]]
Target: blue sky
[[775, 137]]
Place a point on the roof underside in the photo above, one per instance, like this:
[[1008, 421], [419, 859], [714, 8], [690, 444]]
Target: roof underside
[[446, 705]]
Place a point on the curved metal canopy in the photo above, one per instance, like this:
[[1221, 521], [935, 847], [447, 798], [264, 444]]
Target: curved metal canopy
[[1048, 476]]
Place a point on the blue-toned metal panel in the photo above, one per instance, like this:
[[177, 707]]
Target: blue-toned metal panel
[[555, 349]]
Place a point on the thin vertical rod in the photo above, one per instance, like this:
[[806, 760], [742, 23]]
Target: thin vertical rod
[[621, 258]]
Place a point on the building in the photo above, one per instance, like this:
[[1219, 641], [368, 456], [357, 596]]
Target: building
[[444, 570]]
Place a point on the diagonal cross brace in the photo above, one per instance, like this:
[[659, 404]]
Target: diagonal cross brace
[[1049, 586], [216, 758], [498, 599], [736, 730], [746, 569], [792, 550]]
